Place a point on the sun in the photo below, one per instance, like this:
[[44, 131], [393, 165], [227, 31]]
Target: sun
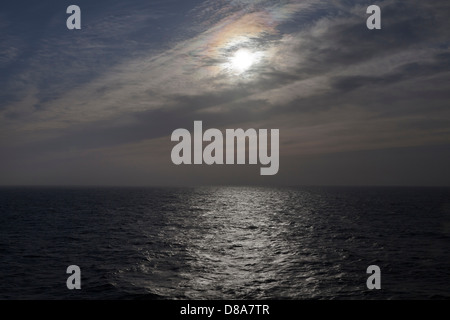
[[242, 60]]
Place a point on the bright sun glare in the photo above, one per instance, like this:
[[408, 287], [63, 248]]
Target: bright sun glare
[[242, 60]]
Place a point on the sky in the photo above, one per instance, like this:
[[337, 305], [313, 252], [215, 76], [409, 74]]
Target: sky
[[97, 106]]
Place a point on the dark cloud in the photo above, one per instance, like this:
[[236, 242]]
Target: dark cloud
[[140, 69], [408, 71]]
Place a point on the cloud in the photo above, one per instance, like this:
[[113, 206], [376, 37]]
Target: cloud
[[134, 75]]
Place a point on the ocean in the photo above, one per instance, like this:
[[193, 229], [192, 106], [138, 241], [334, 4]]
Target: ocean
[[234, 243]]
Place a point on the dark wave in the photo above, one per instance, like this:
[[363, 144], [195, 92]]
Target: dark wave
[[224, 243]]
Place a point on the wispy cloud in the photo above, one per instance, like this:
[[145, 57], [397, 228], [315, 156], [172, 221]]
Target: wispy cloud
[[133, 75]]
